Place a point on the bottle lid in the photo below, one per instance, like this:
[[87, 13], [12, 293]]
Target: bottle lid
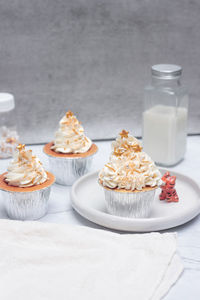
[[7, 102], [166, 71]]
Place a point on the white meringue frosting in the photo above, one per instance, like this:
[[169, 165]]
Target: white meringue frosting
[[70, 137], [129, 167], [25, 170]]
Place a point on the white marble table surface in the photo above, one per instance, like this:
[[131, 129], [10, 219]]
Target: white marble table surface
[[60, 211]]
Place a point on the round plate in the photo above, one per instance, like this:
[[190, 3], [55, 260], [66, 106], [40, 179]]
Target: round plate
[[88, 200]]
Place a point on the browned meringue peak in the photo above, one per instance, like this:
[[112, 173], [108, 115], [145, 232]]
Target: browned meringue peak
[[25, 170], [70, 137], [129, 167]]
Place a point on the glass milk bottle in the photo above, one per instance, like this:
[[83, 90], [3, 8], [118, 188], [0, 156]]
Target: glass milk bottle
[[8, 134], [165, 116]]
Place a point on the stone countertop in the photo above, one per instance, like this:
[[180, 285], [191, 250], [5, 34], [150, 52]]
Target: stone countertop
[[60, 211]]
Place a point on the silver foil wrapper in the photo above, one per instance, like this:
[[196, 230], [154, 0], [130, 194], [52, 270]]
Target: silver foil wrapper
[[130, 205], [67, 170], [26, 205]]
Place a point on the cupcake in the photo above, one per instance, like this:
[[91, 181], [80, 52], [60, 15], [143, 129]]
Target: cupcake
[[70, 154], [26, 186], [129, 179]]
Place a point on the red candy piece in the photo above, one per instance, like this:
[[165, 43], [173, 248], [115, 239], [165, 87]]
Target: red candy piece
[[168, 188]]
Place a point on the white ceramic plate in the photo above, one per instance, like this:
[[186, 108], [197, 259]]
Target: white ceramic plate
[[88, 200]]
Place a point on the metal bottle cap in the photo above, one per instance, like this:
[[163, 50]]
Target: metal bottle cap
[[7, 102], [166, 71]]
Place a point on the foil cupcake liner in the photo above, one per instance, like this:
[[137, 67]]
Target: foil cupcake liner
[[27, 205], [130, 204], [67, 170]]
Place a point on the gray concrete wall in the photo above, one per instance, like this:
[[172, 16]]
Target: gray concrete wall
[[93, 57]]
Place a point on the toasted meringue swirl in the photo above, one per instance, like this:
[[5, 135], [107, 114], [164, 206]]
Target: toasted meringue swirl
[[129, 167], [25, 170], [70, 137]]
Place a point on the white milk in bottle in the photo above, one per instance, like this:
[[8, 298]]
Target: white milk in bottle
[[165, 116]]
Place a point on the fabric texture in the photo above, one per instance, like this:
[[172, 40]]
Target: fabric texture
[[49, 261]]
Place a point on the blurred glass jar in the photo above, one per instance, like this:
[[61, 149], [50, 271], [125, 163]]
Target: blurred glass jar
[[165, 116], [8, 134]]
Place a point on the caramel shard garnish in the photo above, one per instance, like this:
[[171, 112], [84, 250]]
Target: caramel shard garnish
[[132, 158], [124, 134], [117, 152], [74, 130], [112, 169], [137, 171], [126, 146], [137, 148], [132, 171], [69, 114], [21, 147]]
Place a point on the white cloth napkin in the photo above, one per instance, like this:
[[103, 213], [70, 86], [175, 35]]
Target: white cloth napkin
[[47, 261]]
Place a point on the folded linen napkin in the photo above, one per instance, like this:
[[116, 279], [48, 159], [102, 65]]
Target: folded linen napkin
[[49, 261]]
